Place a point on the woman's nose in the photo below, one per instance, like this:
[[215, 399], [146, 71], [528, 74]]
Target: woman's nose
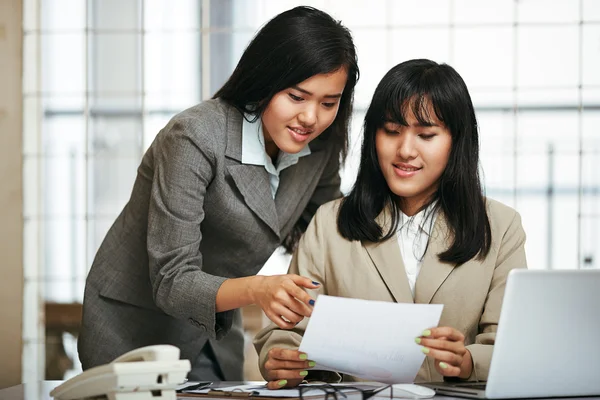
[[406, 147], [308, 116]]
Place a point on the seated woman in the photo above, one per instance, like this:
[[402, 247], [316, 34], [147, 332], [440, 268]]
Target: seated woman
[[416, 227]]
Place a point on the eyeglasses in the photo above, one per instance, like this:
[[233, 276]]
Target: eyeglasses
[[340, 392]]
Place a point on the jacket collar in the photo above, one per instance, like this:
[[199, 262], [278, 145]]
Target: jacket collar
[[388, 261], [253, 180]]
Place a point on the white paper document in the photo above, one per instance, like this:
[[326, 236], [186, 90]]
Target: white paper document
[[373, 340]]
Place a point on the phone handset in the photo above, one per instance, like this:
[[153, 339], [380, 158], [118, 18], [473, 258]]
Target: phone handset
[[161, 352], [151, 372]]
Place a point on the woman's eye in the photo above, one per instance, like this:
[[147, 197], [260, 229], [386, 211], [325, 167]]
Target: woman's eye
[[390, 131], [329, 105], [294, 97], [427, 136]]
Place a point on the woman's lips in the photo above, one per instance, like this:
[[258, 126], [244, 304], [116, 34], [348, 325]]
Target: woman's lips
[[405, 170], [299, 135]]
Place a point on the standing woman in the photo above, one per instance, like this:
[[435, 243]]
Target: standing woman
[[416, 228], [222, 186]]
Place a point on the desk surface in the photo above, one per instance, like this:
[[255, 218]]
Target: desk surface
[[41, 391], [29, 391]]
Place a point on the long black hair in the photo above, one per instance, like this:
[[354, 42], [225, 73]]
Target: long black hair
[[410, 87], [292, 47]]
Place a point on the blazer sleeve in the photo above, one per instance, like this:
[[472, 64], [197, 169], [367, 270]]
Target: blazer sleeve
[[184, 166], [307, 260], [511, 254]]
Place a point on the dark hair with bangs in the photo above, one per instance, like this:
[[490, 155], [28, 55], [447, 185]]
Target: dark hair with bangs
[[412, 86], [292, 47]]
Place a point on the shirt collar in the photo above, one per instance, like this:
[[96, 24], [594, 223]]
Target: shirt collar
[[423, 220], [253, 147]]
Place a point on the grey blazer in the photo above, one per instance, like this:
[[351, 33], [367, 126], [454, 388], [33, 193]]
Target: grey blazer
[[196, 217]]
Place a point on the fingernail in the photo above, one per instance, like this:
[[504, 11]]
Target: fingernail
[[303, 356], [425, 350], [311, 302], [303, 373], [417, 340], [282, 382], [315, 283], [311, 364], [443, 365], [426, 332]]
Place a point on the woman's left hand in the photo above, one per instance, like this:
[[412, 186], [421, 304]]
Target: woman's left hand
[[447, 346]]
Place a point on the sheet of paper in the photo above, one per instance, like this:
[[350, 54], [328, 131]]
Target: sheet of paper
[[373, 340]]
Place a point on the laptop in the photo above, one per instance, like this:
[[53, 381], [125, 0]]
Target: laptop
[[548, 339]]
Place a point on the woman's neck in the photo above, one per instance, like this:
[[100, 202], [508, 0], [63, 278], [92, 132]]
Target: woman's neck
[[412, 205], [409, 208], [272, 151], [270, 146]]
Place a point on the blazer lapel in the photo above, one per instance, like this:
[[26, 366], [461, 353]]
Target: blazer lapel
[[294, 181], [251, 180], [433, 272], [388, 261]]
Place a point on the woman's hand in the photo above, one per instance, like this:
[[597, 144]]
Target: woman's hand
[[447, 346], [286, 368], [282, 298]]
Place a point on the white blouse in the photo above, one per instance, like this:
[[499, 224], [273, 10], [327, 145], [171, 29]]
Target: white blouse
[[413, 234]]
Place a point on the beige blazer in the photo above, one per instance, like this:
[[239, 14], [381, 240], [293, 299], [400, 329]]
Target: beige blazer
[[471, 293]]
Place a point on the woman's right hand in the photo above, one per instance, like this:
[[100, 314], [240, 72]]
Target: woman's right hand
[[282, 298], [286, 368]]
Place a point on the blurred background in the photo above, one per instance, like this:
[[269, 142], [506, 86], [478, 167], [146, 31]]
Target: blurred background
[[100, 78]]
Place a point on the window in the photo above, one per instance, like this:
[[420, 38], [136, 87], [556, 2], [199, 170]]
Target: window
[[102, 77]]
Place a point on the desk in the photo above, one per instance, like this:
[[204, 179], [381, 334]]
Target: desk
[[29, 391], [41, 391]]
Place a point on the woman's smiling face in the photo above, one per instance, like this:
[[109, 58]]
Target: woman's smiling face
[[412, 158], [299, 114]]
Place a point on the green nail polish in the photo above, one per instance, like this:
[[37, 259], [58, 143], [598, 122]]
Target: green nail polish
[[303, 373], [282, 382], [426, 332], [311, 364], [425, 350], [417, 340], [303, 356], [443, 365]]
